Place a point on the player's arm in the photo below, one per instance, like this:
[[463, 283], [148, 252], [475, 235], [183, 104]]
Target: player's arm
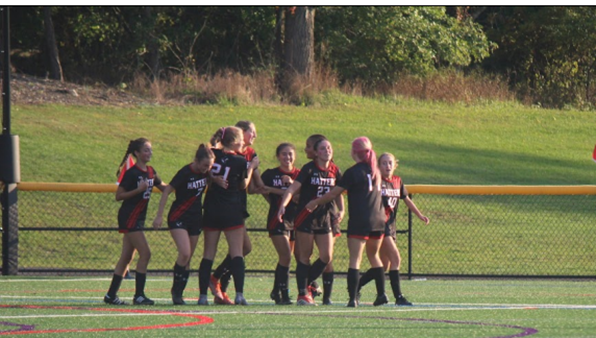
[[339, 201], [162, 204], [252, 165], [328, 197], [415, 210], [123, 194], [286, 198]]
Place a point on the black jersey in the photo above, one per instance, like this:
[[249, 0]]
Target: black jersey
[[220, 202], [316, 182], [273, 178], [249, 154], [189, 186], [133, 211], [365, 206], [392, 190]]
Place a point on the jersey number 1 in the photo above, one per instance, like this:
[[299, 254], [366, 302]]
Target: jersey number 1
[[217, 169]]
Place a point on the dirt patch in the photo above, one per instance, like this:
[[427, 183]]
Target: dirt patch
[[27, 89]]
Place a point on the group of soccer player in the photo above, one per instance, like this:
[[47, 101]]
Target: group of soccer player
[[306, 209]]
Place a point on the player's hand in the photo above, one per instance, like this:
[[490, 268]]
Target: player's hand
[[286, 180], [157, 222], [424, 219], [143, 184], [311, 206], [340, 216], [219, 180], [254, 163], [280, 213]]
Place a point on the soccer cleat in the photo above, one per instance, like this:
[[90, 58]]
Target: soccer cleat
[[142, 300], [305, 300], [239, 300], [215, 287], [223, 300], [381, 299], [315, 289], [113, 301], [285, 298], [402, 301], [203, 300], [177, 298], [352, 303], [327, 301], [275, 296]]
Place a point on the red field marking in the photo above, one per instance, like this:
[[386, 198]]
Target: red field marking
[[201, 320]]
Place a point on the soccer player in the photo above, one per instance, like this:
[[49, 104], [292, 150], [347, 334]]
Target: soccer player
[[336, 217], [219, 281], [393, 190], [185, 219], [135, 191], [224, 210], [366, 222], [314, 180], [281, 233]]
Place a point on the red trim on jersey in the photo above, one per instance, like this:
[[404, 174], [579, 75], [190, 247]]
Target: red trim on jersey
[[132, 219], [367, 237], [182, 209], [301, 217], [248, 153], [274, 221]]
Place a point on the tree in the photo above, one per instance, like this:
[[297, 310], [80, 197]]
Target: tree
[[299, 44], [52, 47]]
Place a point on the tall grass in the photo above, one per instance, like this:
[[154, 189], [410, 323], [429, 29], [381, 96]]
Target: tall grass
[[262, 87]]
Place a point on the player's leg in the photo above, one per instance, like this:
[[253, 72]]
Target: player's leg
[[182, 242], [211, 238], [225, 277], [355, 248], [324, 243], [394, 276], [139, 242], [373, 246], [235, 239], [281, 243], [126, 256], [305, 245]]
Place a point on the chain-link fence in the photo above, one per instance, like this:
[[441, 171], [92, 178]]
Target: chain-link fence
[[469, 235]]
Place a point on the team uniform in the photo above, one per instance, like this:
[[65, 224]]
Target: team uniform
[[316, 182], [249, 154], [225, 209], [186, 211], [273, 178], [133, 211], [392, 190], [366, 214]]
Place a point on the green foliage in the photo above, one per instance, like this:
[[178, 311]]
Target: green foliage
[[547, 51], [375, 44]]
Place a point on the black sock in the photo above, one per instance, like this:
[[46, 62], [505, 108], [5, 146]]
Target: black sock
[[277, 278], [238, 273], [114, 286], [223, 267], [224, 281], [327, 284], [140, 280], [379, 274], [316, 270], [395, 283], [353, 276], [301, 277], [284, 277], [365, 278], [204, 275], [180, 278]]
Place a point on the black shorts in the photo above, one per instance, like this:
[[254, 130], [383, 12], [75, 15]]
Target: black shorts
[[124, 227], [223, 221], [194, 228], [335, 226], [366, 231], [390, 230], [313, 223]]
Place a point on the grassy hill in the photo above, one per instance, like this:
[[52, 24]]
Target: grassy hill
[[496, 143]]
